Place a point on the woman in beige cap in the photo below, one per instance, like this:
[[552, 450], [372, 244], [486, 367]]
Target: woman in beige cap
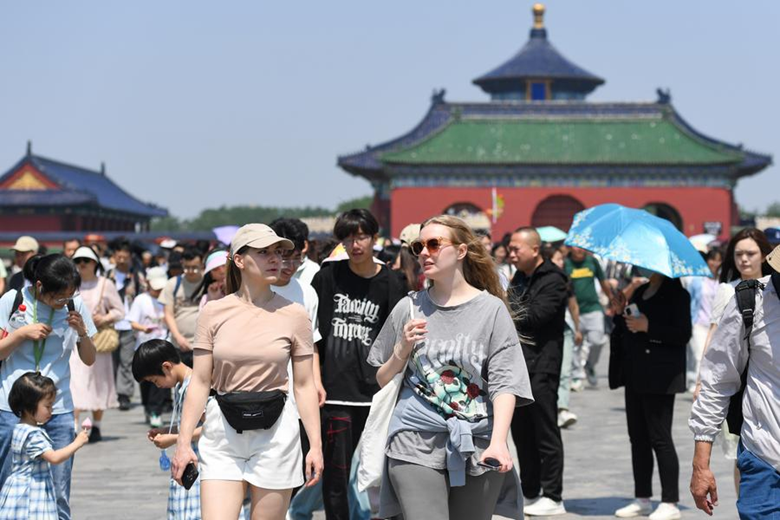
[[243, 344]]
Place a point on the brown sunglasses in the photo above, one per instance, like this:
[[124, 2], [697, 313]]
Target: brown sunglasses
[[432, 245]]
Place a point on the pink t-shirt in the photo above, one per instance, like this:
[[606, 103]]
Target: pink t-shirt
[[252, 345]]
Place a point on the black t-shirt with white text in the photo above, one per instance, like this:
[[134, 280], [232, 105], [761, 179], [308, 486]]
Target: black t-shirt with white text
[[352, 311]]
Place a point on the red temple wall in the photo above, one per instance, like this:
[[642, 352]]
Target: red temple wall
[[695, 205]]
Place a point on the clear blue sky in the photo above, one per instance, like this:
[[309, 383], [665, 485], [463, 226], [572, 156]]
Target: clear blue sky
[[197, 104]]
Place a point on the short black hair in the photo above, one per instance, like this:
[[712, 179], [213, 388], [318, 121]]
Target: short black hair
[[121, 244], [71, 239], [149, 357], [28, 391], [353, 221], [191, 253], [290, 229], [56, 272]]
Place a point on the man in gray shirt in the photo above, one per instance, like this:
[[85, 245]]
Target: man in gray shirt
[[724, 362]]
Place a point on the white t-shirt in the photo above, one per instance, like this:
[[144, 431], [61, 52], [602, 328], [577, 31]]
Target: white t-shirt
[[55, 362], [120, 278], [305, 273], [305, 295], [148, 311], [725, 293]]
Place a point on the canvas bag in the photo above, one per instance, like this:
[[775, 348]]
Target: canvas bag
[[107, 338], [374, 438]]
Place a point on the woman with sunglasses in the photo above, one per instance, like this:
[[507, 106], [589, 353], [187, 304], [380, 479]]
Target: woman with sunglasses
[[38, 334], [464, 374], [93, 386]]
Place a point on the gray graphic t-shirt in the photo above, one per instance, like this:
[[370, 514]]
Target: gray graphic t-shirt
[[470, 355]]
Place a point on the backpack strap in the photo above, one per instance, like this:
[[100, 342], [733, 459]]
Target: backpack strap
[[176, 289], [18, 299], [776, 282], [746, 303]]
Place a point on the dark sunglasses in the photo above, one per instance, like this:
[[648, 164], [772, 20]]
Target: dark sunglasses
[[82, 261], [432, 245]]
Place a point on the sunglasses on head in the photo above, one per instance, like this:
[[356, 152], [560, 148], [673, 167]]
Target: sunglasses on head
[[432, 245]]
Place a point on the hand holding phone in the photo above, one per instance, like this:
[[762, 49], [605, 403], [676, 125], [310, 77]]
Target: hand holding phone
[[490, 464], [189, 476], [632, 310]]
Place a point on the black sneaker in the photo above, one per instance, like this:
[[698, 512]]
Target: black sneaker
[[124, 403], [94, 435]]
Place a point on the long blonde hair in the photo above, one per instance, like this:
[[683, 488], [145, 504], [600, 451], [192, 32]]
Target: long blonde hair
[[479, 269]]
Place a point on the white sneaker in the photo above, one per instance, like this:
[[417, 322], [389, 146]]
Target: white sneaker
[[566, 418], [666, 511], [545, 507], [639, 507], [576, 385]]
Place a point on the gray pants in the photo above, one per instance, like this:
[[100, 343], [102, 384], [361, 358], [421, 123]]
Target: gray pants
[[564, 387], [123, 363], [586, 355], [425, 493]]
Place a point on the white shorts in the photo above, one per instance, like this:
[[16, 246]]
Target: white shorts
[[268, 459]]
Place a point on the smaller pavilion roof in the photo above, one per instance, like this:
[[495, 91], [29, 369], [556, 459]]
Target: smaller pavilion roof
[[538, 60], [37, 181]]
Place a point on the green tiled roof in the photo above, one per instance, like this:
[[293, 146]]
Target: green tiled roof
[[562, 141]]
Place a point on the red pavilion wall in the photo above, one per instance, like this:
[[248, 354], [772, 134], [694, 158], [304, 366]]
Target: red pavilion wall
[[695, 205]]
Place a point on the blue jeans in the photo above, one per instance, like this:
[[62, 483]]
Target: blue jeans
[[60, 430], [759, 487]]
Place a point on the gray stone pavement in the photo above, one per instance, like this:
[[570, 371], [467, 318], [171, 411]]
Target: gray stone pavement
[[119, 478]]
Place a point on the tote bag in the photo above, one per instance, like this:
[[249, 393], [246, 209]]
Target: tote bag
[[107, 338], [374, 438]]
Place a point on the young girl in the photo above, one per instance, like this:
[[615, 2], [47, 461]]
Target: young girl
[[29, 491], [464, 373]]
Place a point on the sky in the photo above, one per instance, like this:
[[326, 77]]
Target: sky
[[198, 104]]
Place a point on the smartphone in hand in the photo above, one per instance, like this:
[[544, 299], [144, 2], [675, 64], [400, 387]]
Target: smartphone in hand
[[189, 476], [490, 463]]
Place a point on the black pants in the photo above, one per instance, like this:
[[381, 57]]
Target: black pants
[[186, 357], [341, 430], [649, 418], [538, 439], [154, 399]]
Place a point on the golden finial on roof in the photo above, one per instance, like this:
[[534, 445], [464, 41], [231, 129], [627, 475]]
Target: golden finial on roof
[[538, 16]]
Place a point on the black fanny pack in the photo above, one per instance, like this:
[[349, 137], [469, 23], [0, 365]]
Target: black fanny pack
[[252, 410]]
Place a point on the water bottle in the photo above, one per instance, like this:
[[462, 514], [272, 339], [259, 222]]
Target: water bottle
[[16, 321]]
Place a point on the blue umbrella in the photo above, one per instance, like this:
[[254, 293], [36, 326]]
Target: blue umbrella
[[550, 234], [634, 236]]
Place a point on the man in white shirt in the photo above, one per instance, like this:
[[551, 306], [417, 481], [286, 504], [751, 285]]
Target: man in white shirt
[[306, 268], [730, 353]]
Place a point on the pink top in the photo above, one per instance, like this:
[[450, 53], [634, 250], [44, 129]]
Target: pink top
[[111, 302]]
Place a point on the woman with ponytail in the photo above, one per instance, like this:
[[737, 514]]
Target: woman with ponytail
[[242, 347], [41, 326], [464, 374]]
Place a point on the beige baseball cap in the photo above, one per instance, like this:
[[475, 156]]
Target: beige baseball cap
[[410, 233], [257, 236], [25, 244], [773, 259]]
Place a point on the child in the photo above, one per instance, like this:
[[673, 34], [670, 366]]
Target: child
[[158, 362], [29, 491], [147, 318]]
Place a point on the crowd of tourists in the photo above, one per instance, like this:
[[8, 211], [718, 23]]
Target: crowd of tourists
[[379, 381]]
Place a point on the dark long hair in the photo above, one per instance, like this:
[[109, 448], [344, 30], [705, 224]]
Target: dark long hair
[[728, 270], [56, 272]]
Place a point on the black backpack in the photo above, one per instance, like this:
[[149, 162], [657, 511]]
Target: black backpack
[[746, 304], [18, 299]]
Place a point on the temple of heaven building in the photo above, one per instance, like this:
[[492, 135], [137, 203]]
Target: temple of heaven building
[[538, 152]]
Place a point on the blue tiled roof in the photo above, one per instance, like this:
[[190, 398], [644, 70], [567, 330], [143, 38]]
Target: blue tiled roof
[[368, 163], [79, 186], [538, 59]]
